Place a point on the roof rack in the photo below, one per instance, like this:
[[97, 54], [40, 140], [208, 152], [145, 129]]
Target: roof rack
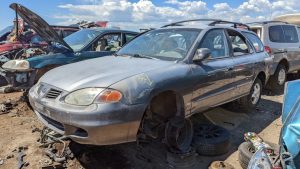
[[235, 24], [266, 22], [191, 20], [213, 23]]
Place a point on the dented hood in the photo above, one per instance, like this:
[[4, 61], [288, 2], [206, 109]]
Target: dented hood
[[100, 72], [39, 25], [290, 132]]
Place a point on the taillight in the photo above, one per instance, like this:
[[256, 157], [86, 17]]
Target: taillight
[[268, 50]]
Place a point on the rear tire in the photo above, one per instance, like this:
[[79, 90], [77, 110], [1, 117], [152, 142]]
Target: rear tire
[[248, 103], [277, 81]]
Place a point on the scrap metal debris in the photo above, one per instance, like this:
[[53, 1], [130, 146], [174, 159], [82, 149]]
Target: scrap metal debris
[[21, 155], [56, 147], [7, 106]]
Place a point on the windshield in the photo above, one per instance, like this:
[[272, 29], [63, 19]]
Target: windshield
[[80, 39], [164, 44]]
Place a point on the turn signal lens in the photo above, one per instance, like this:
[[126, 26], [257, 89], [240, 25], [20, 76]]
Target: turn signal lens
[[109, 96], [268, 50]]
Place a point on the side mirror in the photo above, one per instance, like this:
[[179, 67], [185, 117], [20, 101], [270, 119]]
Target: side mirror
[[201, 54]]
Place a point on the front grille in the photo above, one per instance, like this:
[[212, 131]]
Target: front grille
[[54, 123], [53, 93]]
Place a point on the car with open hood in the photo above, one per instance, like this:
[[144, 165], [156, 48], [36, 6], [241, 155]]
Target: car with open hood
[[84, 44], [153, 84]]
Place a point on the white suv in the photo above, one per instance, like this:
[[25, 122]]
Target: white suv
[[281, 40]]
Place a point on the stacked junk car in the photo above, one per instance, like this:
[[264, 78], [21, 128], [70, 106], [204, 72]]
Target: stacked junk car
[[195, 93]]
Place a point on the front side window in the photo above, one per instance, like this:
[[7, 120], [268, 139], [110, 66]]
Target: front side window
[[109, 42], [290, 34], [80, 39], [255, 41], [164, 44], [238, 43], [215, 41], [276, 34]]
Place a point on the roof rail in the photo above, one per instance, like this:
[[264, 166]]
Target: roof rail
[[191, 20], [235, 24], [266, 22], [213, 23]]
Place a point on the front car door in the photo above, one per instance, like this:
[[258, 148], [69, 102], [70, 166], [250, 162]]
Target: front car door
[[214, 77]]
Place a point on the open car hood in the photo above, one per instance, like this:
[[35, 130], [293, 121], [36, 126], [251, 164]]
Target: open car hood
[[39, 25], [290, 132]]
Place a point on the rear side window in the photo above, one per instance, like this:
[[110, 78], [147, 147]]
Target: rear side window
[[255, 41], [290, 34], [238, 42], [276, 34]]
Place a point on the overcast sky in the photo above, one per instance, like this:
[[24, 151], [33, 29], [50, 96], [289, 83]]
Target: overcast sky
[[135, 14]]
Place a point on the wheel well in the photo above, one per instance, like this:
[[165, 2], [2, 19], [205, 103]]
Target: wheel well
[[285, 63], [262, 77], [167, 104]]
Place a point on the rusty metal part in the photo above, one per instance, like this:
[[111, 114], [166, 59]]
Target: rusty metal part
[[48, 140], [220, 165]]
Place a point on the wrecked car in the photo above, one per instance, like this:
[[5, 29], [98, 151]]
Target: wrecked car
[[287, 153], [153, 84], [84, 44], [28, 44], [20, 41]]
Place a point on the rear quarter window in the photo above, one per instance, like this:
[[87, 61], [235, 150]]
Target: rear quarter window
[[255, 41], [276, 34], [290, 34]]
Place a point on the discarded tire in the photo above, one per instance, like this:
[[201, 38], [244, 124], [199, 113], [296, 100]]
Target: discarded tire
[[246, 151], [179, 134], [211, 140]]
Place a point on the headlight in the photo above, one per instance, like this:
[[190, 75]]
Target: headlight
[[85, 97], [16, 65]]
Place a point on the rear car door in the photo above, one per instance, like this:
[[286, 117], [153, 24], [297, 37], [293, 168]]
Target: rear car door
[[213, 75], [243, 58]]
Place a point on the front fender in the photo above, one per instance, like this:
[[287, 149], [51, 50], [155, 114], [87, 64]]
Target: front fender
[[38, 62]]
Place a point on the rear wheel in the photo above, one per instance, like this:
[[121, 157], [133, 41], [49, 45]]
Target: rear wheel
[[278, 80], [249, 102]]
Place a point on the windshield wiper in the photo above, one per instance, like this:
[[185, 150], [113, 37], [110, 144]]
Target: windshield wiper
[[141, 56]]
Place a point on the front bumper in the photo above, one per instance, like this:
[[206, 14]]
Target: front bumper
[[97, 124]]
